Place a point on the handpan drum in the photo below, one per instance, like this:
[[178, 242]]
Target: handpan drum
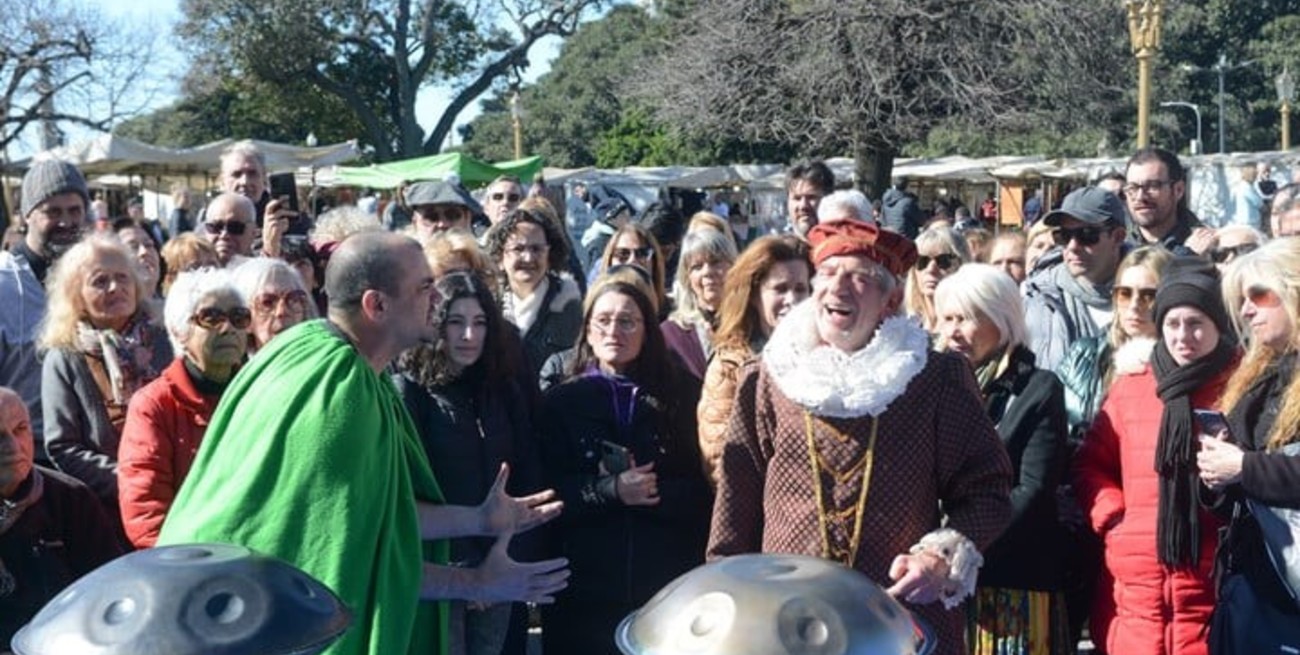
[[773, 605]]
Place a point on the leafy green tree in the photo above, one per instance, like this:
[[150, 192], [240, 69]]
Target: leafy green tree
[[374, 56]]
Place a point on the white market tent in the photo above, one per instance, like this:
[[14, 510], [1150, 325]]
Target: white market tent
[[114, 155]]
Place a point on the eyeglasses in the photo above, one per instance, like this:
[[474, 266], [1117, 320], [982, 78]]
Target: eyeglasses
[[1150, 186], [608, 324], [509, 197], [624, 255], [946, 261], [1225, 255], [1263, 297], [1146, 297], [270, 301], [1085, 236], [211, 318], [234, 228], [534, 249]]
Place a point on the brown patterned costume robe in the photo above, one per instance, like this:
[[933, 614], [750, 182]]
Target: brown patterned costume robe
[[937, 456]]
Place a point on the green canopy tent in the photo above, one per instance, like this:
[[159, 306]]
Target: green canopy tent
[[472, 172]]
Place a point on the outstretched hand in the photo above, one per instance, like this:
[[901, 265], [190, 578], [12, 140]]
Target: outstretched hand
[[500, 579], [502, 513]]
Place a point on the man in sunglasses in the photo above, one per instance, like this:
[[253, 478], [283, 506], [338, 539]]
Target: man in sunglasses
[[438, 206], [502, 197], [1155, 189], [1073, 300], [228, 224]]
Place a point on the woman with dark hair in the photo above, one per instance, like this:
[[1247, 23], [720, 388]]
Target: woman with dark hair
[[1137, 479], [619, 446], [544, 305], [767, 280], [472, 417]]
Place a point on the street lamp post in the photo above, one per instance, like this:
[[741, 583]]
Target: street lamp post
[[516, 118], [1196, 109], [1286, 95], [1221, 68], [1144, 33]]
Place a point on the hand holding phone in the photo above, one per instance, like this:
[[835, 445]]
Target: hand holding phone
[[283, 185], [1213, 423]]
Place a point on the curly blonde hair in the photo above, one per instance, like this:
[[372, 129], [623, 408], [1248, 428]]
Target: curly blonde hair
[[65, 307]]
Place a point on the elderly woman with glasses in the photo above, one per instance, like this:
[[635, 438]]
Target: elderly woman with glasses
[[102, 346], [208, 323], [1018, 597], [543, 304], [940, 252], [1232, 242], [1136, 474], [619, 445], [276, 295]]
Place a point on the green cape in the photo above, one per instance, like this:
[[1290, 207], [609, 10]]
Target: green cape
[[312, 457]]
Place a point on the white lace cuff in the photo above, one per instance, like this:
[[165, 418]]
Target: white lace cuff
[[964, 562]]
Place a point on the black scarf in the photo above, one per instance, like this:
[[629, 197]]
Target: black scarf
[[1178, 529]]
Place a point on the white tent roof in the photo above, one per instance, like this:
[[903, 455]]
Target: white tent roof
[[108, 154]]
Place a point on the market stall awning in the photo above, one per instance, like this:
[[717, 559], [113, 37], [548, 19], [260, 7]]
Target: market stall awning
[[471, 172], [109, 154]]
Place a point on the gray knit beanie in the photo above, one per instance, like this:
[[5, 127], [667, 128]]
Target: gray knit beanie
[[48, 178]]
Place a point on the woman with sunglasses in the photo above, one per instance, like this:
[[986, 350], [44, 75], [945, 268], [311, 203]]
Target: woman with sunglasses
[[633, 245], [1018, 598], [208, 323], [276, 295], [1137, 481], [941, 251], [1231, 242], [1089, 367], [101, 346], [1249, 463], [619, 445]]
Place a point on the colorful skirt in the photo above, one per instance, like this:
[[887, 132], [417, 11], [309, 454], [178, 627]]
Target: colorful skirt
[[1017, 622]]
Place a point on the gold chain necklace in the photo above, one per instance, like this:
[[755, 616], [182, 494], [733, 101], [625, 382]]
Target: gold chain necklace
[[816, 463]]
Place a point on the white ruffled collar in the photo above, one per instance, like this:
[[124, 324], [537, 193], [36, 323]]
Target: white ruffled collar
[[829, 382]]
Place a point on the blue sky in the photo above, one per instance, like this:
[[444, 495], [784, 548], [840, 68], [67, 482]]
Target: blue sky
[[170, 62]]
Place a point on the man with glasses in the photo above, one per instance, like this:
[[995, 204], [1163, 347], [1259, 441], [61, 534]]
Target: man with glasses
[[228, 226], [1155, 189], [243, 171], [439, 206], [502, 197], [54, 205], [1073, 300]]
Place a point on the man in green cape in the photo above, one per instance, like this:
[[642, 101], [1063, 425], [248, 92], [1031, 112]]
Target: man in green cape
[[311, 457]]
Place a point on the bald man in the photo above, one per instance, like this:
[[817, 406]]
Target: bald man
[[311, 457], [52, 528], [229, 225]]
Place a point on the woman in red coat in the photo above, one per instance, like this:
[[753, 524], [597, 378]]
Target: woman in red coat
[[1137, 480], [208, 323]]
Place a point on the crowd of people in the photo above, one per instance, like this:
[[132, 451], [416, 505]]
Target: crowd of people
[[467, 408]]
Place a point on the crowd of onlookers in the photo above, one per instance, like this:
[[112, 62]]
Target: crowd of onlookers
[[1028, 408]]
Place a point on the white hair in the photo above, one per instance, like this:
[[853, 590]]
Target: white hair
[[986, 289], [705, 243], [188, 290], [342, 222], [245, 148], [1258, 237], [252, 276], [849, 201]]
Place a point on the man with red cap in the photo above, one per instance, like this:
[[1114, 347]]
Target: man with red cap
[[852, 440]]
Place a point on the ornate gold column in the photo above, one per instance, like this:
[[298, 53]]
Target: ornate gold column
[[1286, 95], [1144, 33]]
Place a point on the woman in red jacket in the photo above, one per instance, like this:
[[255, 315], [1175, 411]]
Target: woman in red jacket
[[208, 322], [1136, 475]]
